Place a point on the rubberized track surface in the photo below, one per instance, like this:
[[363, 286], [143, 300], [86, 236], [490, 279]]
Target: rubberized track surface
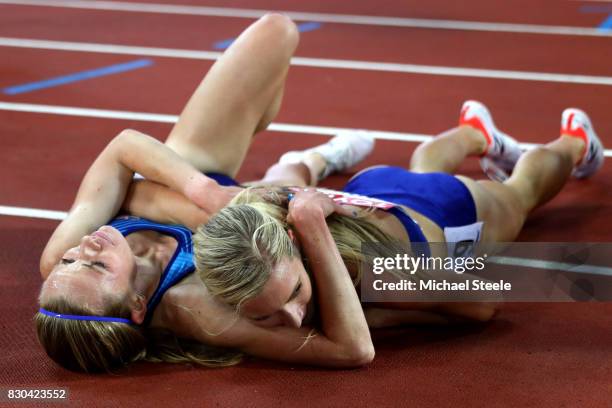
[[532, 354]]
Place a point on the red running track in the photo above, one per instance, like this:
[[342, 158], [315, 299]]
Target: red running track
[[533, 354]]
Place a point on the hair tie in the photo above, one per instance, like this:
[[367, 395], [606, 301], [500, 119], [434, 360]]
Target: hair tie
[[83, 317]]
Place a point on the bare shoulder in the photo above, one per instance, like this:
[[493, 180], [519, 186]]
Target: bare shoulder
[[190, 311]]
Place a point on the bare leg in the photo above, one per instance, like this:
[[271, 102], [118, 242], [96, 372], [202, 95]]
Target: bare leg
[[307, 167], [287, 175], [238, 97], [538, 176], [542, 172], [298, 174], [446, 152]]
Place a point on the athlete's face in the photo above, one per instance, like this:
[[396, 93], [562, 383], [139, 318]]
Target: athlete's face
[[284, 300], [102, 265]]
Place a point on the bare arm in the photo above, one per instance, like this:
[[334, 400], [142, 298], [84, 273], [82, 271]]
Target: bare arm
[[342, 318], [105, 185], [194, 314], [159, 203], [344, 339]]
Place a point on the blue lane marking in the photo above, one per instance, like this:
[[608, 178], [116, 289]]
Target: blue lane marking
[[224, 44], [302, 28], [607, 24], [596, 9], [79, 76], [305, 27]]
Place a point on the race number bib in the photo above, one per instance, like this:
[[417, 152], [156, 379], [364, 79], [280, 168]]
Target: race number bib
[[357, 200], [461, 240]]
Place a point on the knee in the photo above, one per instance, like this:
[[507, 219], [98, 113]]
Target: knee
[[282, 29], [423, 159]]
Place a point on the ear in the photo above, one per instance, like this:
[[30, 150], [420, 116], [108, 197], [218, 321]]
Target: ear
[[292, 235], [293, 238], [138, 309]]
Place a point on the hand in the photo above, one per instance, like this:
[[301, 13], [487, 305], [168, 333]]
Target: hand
[[309, 203]]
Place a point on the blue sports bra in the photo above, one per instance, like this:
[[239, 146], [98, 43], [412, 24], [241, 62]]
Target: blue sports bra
[[180, 265]]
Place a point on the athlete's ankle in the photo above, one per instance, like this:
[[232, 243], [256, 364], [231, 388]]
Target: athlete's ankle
[[316, 165], [573, 145], [474, 141]]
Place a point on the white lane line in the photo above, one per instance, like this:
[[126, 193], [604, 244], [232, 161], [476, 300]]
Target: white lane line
[[163, 118], [509, 261], [550, 265], [32, 213], [317, 17], [313, 62]]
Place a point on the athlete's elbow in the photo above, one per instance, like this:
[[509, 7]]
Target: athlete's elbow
[[365, 356], [45, 269], [487, 312], [121, 142], [123, 135], [360, 355]]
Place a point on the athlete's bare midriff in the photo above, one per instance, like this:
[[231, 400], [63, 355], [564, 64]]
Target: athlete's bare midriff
[[392, 225]]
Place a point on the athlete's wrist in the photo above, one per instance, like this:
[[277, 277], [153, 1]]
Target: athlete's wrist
[[202, 190]]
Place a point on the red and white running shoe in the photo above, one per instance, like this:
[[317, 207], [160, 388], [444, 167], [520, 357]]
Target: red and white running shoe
[[576, 123], [502, 151]]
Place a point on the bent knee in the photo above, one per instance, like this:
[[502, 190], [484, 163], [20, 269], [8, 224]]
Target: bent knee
[[282, 28]]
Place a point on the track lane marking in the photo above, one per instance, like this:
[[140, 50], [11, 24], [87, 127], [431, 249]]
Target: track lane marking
[[302, 28], [38, 213], [316, 17], [313, 62], [77, 76], [165, 118], [32, 213]]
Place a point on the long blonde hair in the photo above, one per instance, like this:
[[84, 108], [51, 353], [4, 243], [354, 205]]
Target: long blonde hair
[[237, 249], [94, 346]]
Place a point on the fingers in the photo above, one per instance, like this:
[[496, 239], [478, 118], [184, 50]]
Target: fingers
[[311, 202]]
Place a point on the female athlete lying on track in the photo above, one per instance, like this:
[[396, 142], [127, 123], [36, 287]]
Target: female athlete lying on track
[[110, 298], [99, 312], [252, 254]]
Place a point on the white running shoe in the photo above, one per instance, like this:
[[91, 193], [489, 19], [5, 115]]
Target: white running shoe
[[341, 152], [576, 123], [502, 151]]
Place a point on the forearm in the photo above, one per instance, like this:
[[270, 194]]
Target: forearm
[[342, 316], [156, 162], [105, 185], [159, 203]]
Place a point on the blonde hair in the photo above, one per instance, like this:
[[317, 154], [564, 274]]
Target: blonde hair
[[94, 346], [237, 249]]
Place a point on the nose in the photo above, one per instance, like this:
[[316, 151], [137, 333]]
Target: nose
[[89, 247], [292, 315]]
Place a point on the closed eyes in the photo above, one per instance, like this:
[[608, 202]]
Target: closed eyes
[[66, 261], [296, 292]]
